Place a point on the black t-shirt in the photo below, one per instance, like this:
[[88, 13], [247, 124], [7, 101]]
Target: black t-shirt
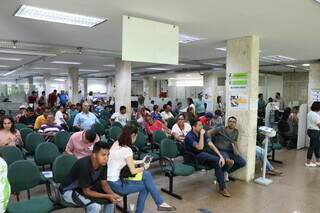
[[28, 120], [83, 175]]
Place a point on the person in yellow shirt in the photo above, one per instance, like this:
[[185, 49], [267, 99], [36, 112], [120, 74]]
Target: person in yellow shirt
[[42, 119]]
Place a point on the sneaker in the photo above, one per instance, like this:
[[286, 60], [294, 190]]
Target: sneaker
[[310, 164], [226, 177], [224, 192]]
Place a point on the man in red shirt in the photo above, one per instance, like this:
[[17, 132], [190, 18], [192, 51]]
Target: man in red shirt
[[206, 119], [52, 99], [32, 98]]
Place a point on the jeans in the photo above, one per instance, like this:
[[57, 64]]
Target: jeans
[[239, 162], [314, 146], [144, 187], [93, 207], [206, 157], [260, 155]]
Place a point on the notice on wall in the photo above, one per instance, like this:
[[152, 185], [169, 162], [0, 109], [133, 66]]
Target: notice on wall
[[238, 88], [315, 94]]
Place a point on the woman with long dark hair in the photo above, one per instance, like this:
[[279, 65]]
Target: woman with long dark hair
[[120, 156], [9, 135]]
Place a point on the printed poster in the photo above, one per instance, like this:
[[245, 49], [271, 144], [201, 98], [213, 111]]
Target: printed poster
[[238, 88]]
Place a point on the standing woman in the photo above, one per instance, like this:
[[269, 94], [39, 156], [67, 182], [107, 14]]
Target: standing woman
[[120, 156], [9, 135], [220, 105], [313, 124]]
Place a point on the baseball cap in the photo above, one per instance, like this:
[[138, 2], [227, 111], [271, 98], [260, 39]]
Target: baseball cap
[[209, 115], [22, 107]]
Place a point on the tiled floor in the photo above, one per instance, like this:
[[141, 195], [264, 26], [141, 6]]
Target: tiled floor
[[297, 191]]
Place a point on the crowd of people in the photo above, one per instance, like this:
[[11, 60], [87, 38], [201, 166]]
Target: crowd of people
[[194, 129]]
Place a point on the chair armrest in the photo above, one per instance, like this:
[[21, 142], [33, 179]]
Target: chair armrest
[[163, 163]]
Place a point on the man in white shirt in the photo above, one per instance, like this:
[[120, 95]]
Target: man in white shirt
[[121, 116], [59, 119], [166, 114], [90, 98]]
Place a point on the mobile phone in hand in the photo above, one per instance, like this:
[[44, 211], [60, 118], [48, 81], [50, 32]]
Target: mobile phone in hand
[[148, 159]]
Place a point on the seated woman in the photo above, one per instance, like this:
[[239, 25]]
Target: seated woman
[[120, 156], [156, 113], [179, 131], [9, 135]]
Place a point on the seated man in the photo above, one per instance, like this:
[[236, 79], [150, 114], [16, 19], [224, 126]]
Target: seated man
[[85, 120], [197, 142], [206, 119], [42, 119], [226, 140], [179, 132], [80, 143], [29, 118], [87, 181], [50, 129], [121, 116]]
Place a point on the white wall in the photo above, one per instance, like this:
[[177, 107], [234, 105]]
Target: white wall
[[270, 84]]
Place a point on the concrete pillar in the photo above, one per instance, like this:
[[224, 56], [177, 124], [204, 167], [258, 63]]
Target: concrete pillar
[[74, 83], [210, 90], [32, 87], [158, 88], [148, 88], [123, 85], [314, 83], [85, 87], [243, 57], [46, 83]]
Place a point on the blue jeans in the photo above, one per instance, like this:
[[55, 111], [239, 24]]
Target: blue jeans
[[93, 207], [260, 155], [206, 157], [144, 187], [239, 162]]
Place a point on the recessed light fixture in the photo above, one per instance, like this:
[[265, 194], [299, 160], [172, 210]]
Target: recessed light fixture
[[157, 68], [4, 66], [26, 11], [66, 62], [88, 70], [109, 65], [171, 78], [44, 68], [10, 59], [59, 79], [185, 39], [221, 48], [292, 66], [188, 75], [154, 77], [306, 65], [278, 58]]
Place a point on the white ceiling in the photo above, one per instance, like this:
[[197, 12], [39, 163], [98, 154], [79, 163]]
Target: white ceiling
[[286, 27]]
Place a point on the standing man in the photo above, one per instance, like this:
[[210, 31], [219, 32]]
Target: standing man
[[85, 119], [261, 106], [52, 99], [87, 181], [279, 100], [32, 98], [42, 99], [63, 98], [200, 107]]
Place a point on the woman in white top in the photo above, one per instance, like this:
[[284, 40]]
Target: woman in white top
[[179, 131], [313, 124], [120, 156]]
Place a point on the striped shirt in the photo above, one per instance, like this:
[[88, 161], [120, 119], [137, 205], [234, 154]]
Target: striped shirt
[[46, 128]]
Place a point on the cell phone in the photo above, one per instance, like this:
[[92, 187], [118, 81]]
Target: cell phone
[[148, 159]]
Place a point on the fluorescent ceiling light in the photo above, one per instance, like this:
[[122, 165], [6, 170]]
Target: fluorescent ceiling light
[[23, 52], [306, 65], [189, 83], [222, 48], [10, 59], [9, 73], [188, 75], [212, 64], [59, 79], [109, 65], [88, 70], [4, 66], [154, 77], [171, 78], [185, 39], [278, 58], [42, 14], [292, 66], [157, 68], [66, 62], [44, 68]]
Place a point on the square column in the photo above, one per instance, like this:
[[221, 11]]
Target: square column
[[123, 85], [210, 90], [148, 88], [74, 84], [242, 96], [314, 83]]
